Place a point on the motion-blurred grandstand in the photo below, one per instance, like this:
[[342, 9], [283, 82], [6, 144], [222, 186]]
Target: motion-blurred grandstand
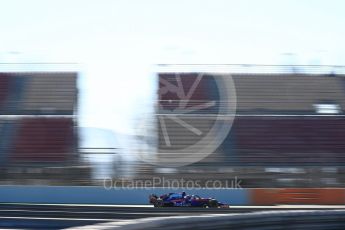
[[39, 141], [288, 129]]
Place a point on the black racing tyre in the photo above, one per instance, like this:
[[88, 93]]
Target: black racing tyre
[[159, 204], [213, 203]]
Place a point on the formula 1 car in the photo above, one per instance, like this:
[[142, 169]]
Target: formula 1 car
[[184, 200]]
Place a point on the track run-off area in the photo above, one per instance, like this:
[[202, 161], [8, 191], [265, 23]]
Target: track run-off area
[[59, 216]]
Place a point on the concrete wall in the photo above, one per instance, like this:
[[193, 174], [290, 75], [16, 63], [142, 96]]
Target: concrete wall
[[322, 196], [100, 195]]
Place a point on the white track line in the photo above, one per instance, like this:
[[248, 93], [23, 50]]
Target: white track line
[[84, 205], [55, 218], [151, 206]]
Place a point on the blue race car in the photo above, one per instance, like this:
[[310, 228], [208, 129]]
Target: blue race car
[[184, 200]]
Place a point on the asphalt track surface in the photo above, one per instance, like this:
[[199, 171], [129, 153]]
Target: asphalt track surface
[[52, 216]]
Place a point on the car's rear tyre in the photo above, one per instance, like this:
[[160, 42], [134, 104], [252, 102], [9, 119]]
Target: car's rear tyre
[[158, 204]]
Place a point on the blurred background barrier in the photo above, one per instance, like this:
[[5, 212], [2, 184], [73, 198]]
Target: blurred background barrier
[[322, 196], [100, 195]]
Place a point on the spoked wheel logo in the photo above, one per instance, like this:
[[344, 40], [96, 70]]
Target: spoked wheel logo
[[194, 114]]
